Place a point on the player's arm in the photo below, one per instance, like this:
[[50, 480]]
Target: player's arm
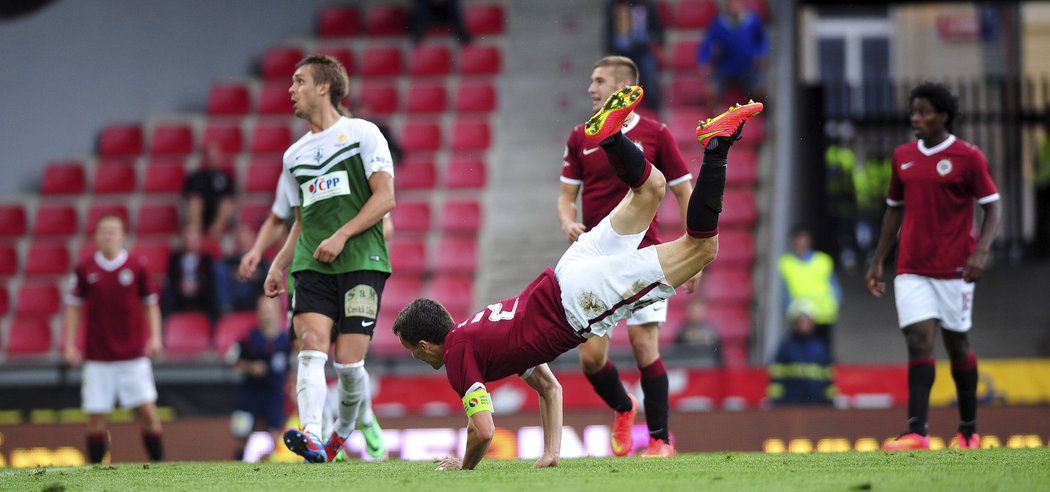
[[989, 226], [543, 381], [480, 429], [155, 344], [223, 217], [70, 352], [388, 227], [567, 215], [891, 224], [275, 282], [379, 204], [269, 233]]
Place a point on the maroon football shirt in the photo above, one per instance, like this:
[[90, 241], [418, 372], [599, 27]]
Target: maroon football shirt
[[938, 187], [586, 164], [112, 295], [510, 336]]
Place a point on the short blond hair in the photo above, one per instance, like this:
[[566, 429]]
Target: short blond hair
[[623, 68]]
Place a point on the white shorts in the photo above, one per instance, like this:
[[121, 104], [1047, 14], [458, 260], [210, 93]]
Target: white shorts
[[605, 278], [130, 381], [921, 298]]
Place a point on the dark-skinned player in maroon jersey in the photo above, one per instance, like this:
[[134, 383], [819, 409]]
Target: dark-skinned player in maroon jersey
[[584, 166], [602, 279], [112, 291], [934, 184]]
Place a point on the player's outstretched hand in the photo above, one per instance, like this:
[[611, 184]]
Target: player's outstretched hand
[[330, 248], [874, 279], [573, 230], [547, 461], [154, 347], [274, 284], [450, 464], [72, 355], [975, 266], [690, 285], [249, 263]]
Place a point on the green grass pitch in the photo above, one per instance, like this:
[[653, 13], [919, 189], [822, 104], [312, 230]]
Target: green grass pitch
[[993, 469]]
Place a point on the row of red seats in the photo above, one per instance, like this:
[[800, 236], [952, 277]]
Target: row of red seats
[[698, 14], [177, 139], [425, 60], [235, 99], [345, 21]]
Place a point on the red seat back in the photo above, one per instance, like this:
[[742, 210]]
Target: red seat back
[[63, 178], [339, 21], [120, 140], [164, 175], [114, 176], [172, 139], [48, 258], [55, 220], [229, 99], [187, 334], [38, 298], [279, 62], [231, 328], [29, 336]]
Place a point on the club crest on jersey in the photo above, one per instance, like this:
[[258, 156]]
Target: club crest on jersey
[[318, 155], [944, 167], [125, 277], [325, 187]]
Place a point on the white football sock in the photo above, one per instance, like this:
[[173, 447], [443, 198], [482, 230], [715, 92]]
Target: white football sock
[[353, 384], [310, 390]]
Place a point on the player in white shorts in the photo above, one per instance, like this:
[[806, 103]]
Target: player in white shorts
[[934, 184]]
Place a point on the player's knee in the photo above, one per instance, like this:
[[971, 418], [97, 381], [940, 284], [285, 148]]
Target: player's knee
[[592, 363], [656, 185], [704, 248]]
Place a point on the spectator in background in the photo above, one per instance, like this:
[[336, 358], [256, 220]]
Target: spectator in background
[[800, 374], [262, 357], [632, 28], [191, 277], [447, 11], [238, 293], [809, 275], [112, 291], [732, 53], [697, 337], [209, 194]]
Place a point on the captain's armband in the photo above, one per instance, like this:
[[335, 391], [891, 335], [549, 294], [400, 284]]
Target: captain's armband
[[477, 401]]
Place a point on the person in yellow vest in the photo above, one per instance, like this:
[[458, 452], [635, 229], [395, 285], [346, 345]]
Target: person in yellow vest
[[809, 275]]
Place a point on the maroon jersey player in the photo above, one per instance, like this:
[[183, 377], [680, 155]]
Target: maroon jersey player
[[600, 280]]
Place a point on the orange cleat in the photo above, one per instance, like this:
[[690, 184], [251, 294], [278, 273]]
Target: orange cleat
[[333, 446], [609, 120], [622, 440], [657, 448], [728, 123], [973, 443], [908, 442]]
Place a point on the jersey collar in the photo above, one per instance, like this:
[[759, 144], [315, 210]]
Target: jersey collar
[[111, 265], [635, 118], [936, 148]]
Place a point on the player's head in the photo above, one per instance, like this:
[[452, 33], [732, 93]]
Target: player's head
[[611, 74], [318, 82], [933, 109], [109, 234], [421, 326]]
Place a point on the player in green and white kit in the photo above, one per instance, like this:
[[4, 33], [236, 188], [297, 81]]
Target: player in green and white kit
[[340, 181]]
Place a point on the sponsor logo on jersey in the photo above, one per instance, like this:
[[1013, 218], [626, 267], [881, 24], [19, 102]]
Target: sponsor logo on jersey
[[944, 167], [324, 187], [341, 141], [590, 151], [906, 165]]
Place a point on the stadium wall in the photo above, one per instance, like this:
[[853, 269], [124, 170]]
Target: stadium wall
[[75, 66]]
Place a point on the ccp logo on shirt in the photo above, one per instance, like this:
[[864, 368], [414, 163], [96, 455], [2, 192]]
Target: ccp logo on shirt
[[325, 187]]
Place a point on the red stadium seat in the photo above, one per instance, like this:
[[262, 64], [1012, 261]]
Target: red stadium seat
[[407, 258], [754, 132], [186, 334], [172, 139], [484, 18], [279, 62], [231, 328], [155, 253], [427, 98], [380, 98], [56, 219], [12, 220], [401, 289], [670, 215], [47, 258], [743, 171], [164, 175], [271, 138], [727, 286], [339, 21], [682, 124], [465, 173], [461, 217], [274, 99], [120, 140], [476, 59], [736, 248], [688, 89], [63, 178], [471, 135], [664, 9], [411, 217], [455, 292], [386, 20], [384, 342], [114, 176], [419, 136], [416, 175], [227, 136], [683, 56], [229, 99], [381, 61], [345, 57], [8, 266], [732, 322], [759, 8], [455, 255], [429, 60], [5, 298], [97, 210], [36, 298], [475, 98], [262, 174], [739, 209], [29, 336], [157, 218], [694, 14], [254, 213]]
